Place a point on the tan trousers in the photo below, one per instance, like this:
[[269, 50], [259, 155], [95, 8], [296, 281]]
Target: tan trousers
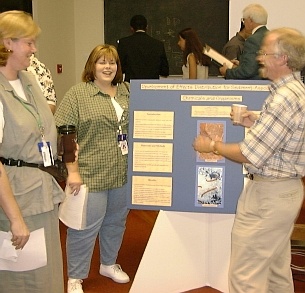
[[261, 252]]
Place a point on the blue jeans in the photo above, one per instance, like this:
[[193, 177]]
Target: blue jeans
[[106, 216]]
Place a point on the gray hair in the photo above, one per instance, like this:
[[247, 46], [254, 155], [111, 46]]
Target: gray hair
[[290, 42], [257, 13]]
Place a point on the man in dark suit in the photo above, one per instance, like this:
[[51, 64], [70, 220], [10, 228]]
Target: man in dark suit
[[141, 56], [255, 20]]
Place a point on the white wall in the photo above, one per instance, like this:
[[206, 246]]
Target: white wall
[[280, 13], [56, 44], [70, 30], [88, 30]]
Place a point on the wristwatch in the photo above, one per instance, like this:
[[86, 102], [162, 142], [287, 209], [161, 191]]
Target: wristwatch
[[212, 146]]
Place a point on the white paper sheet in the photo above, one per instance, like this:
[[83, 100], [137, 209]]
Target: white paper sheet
[[220, 59], [31, 257], [72, 211]]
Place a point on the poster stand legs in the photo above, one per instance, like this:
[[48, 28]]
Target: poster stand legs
[[186, 251]]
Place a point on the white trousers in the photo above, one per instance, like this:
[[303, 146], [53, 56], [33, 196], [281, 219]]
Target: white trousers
[[261, 251]]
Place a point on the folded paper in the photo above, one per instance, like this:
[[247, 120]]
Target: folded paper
[[72, 211]]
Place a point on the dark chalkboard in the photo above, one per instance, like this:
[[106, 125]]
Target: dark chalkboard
[[25, 5], [210, 18]]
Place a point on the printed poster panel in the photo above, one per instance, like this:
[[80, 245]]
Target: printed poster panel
[[164, 171]]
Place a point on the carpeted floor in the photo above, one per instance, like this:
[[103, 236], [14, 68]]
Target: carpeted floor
[[139, 227]]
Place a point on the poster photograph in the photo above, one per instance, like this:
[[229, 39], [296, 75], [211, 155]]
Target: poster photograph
[[209, 188]]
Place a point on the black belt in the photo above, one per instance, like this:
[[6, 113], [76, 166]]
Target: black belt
[[250, 176], [256, 177], [18, 163]]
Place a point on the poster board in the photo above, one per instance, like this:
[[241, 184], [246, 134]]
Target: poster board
[[202, 243], [164, 172]]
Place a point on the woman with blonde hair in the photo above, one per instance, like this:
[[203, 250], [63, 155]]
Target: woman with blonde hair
[[27, 134]]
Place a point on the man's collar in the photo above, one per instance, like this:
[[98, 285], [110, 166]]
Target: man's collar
[[295, 75], [256, 28]]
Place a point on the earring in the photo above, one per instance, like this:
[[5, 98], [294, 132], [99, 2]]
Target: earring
[[8, 50]]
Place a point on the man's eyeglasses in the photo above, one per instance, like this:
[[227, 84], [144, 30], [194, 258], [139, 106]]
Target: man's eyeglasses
[[243, 19], [262, 53]]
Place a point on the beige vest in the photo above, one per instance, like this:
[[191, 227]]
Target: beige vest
[[34, 189]]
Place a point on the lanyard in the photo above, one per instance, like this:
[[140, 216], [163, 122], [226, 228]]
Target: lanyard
[[37, 117]]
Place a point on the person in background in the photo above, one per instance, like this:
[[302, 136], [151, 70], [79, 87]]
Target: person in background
[[235, 46], [27, 124], [20, 232], [98, 107], [195, 63], [273, 152], [142, 57], [44, 78], [255, 20]]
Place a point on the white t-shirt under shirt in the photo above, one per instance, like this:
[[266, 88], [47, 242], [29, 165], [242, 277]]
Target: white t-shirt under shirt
[[17, 86], [202, 71]]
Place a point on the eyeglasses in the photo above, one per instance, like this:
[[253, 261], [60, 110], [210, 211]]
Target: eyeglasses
[[262, 53], [243, 19]]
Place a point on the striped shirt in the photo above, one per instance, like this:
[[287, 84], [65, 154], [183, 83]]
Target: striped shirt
[[275, 144]]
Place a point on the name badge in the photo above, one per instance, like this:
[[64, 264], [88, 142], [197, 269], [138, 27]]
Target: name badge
[[46, 152], [124, 147], [122, 137]]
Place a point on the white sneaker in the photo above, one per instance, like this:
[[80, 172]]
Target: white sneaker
[[114, 272], [75, 286]]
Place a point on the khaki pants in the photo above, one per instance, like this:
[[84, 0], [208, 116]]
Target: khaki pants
[[261, 252]]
